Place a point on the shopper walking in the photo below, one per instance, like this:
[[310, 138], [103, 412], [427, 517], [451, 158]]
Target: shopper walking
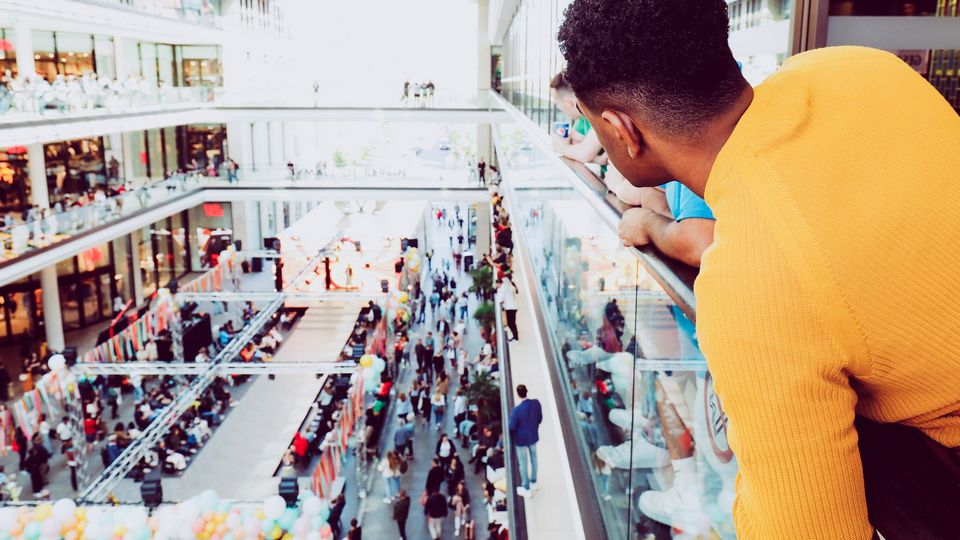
[[461, 507], [439, 404], [506, 297], [435, 477], [525, 419], [436, 511], [389, 468], [445, 450], [401, 510]]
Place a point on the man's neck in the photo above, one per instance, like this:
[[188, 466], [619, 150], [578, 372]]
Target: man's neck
[[694, 168]]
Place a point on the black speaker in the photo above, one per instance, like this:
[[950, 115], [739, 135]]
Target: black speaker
[[238, 244], [151, 492], [289, 490], [256, 264], [384, 285]]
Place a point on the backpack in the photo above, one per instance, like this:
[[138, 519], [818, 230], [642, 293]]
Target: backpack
[[403, 467]]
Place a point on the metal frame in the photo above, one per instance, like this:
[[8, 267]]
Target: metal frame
[[260, 296], [230, 368]]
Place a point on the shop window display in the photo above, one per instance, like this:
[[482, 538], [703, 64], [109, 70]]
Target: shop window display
[[74, 167], [8, 58], [14, 179]]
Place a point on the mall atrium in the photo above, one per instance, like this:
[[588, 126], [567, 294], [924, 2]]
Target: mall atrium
[[425, 269]]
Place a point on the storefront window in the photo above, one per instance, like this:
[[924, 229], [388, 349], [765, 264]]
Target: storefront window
[[200, 65], [8, 62], [45, 54], [130, 53], [106, 58], [163, 248], [179, 236], [170, 152], [147, 263], [123, 265], [148, 62], [166, 66], [211, 230], [205, 146], [136, 151], [75, 53], [74, 167], [890, 7], [155, 150], [14, 179]]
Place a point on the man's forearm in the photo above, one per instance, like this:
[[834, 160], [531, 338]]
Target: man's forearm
[[665, 233]]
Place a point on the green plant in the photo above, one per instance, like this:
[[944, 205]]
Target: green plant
[[482, 280], [484, 392], [485, 315], [339, 159]]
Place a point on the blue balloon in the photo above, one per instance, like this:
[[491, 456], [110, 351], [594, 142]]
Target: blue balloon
[[268, 525], [142, 533], [316, 523], [288, 518], [32, 530]]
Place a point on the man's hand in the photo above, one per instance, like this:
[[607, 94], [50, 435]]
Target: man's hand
[[633, 227], [601, 159], [559, 143]]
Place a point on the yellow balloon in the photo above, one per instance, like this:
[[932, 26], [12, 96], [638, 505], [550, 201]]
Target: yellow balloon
[[277, 532], [366, 361], [288, 536]]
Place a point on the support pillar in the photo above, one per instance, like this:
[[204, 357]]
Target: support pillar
[[483, 146], [261, 146], [137, 276], [484, 76], [23, 44], [483, 229], [52, 315], [275, 130]]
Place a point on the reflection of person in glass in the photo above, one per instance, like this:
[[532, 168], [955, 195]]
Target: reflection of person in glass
[[827, 291]]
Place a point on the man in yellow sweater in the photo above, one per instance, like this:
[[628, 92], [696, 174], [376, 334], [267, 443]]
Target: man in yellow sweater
[[832, 287]]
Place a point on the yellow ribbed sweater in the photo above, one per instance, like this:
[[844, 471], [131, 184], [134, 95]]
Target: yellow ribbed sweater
[[833, 284]]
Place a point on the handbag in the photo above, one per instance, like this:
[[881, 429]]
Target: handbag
[[423, 498]]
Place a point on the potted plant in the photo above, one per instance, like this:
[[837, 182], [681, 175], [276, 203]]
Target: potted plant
[[484, 315], [482, 281], [484, 392]]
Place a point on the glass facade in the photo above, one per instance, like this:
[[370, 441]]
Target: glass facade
[[8, 56], [14, 181], [635, 384], [74, 167], [69, 53]]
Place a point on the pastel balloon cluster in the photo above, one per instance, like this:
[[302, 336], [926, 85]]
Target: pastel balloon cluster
[[204, 517], [371, 366], [412, 259]]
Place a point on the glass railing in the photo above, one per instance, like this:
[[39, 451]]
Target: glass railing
[[205, 12], [24, 100], [43, 228], [645, 432]]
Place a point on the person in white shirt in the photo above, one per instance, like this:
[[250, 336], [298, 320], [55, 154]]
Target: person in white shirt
[[64, 431], [177, 461], [152, 354], [506, 297]]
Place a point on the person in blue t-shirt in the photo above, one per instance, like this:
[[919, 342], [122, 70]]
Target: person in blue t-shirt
[[672, 218], [524, 423]]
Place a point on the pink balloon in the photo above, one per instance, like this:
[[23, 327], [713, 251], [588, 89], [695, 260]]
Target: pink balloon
[[326, 532]]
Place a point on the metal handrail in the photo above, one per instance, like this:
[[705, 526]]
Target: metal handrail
[[516, 509], [675, 278]]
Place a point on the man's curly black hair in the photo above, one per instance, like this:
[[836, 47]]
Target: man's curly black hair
[[668, 59]]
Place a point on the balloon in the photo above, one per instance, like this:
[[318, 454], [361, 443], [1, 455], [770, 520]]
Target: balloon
[[366, 361], [56, 362], [288, 518], [326, 531], [43, 512], [8, 517], [301, 526], [251, 526], [276, 532], [316, 523], [208, 501], [274, 506], [135, 519], [188, 511], [50, 529], [313, 535], [234, 522], [311, 506], [32, 530]]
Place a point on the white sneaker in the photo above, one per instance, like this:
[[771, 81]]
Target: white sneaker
[[607, 497], [677, 508], [645, 455], [524, 492], [534, 486], [387, 500]]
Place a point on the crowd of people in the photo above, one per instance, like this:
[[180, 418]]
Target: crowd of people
[[88, 92], [417, 94]]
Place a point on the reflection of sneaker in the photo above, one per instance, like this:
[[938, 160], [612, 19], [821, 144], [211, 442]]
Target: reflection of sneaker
[[645, 455], [622, 418], [677, 508], [524, 492]]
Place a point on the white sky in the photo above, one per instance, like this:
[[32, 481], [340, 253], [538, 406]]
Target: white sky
[[367, 48]]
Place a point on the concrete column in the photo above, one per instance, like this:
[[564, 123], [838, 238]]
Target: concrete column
[[23, 43], [290, 150], [238, 134], [130, 157], [278, 210], [483, 47], [137, 276], [484, 145], [52, 316], [261, 146], [277, 158], [37, 164], [483, 229]]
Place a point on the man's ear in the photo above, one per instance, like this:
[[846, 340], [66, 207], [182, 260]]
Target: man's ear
[[625, 130]]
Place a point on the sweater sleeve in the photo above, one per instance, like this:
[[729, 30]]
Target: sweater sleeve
[[784, 384]]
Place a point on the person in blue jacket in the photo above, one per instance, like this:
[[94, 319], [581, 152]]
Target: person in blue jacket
[[525, 419]]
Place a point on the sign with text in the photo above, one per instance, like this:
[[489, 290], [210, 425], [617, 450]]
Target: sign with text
[[918, 59]]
